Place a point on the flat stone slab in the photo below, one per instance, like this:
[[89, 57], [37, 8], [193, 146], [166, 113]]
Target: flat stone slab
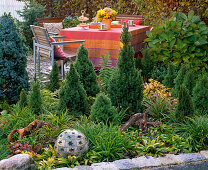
[[18, 162], [189, 157], [104, 166], [168, 159], [64, 168], [149, 161], [204, 153], [124, 164], [83, 167]]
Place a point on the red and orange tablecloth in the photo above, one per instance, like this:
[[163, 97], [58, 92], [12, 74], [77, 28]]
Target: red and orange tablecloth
[[99, 43]]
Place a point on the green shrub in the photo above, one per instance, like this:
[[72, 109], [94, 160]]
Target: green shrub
[[179, 79], [23, 98], [180, 39], [170, 76], [200, 95], [72, 95], [195, 130], [126, 86], [107, 141], [70, 21], [185, 105], [35, 98], [30, 13], [85, 68], [105, 73], [54, 78], [13, 75], [102, 110], [189, 81], [159, 71]]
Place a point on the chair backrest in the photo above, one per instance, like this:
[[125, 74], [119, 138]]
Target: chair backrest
[[128, 17], [48, 20], [42, 39]]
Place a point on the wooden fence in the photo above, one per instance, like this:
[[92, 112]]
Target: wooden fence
[[11, 6]]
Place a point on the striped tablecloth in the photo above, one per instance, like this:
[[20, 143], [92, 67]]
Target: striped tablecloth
[[99, 43]]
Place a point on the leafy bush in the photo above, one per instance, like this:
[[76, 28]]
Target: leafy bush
[[54, 78], [72, 95], [13, 75], [185, 105], [107, 141], [70, 21], [195, 130], [180, 39], [85, 68], [30, 13], [200, 95], [105, 73], [102, 110], [126, 85]]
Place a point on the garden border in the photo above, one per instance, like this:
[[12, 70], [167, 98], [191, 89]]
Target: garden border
[[142, 162]]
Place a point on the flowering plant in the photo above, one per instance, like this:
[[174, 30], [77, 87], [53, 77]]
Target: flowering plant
[[106, 13]]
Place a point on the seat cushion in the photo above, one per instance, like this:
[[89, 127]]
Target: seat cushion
[[53, 27], [58, 52], [136, 22]]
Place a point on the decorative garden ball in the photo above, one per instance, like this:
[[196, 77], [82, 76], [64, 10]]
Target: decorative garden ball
[[71, 142]]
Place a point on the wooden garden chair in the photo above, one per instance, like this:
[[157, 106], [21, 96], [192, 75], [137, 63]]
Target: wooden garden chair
[[44, 47]]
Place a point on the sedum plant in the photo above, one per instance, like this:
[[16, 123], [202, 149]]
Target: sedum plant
[[126, 85], [85, 68], [13, 74], [72, 95], [180, 39]]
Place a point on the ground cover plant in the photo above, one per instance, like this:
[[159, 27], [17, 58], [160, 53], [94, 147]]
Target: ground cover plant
[[174, 121]]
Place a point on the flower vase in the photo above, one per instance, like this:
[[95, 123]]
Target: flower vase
[[107, 23]]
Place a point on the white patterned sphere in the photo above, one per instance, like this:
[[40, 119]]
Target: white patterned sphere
[[71, 142]]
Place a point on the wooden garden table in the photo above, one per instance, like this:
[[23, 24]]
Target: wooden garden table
[[99, 43]]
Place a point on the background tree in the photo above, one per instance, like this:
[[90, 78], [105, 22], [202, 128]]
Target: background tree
[[12, 61], [185, 105], [126, 86], [72, 95], [53, 84], [200, 94], [85, 68]]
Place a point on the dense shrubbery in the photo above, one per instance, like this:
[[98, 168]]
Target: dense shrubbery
[[13, 76]]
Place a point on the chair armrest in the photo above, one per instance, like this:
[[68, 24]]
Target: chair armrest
[[58, 36], [53, 33], [68, 42]]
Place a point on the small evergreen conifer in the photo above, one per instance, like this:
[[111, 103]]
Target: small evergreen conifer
[[102, 109], [35, 98], [185, 105], [53, 84], [200, 95], [179, 79], [170, 76], [147, 65], [86, 72], [126, 86], [72, 95], [23, 99], [189, 81], [13, 74]]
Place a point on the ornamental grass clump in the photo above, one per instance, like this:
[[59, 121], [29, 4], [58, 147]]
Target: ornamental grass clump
[[200, 95], [72, 95], [85, 68], [53, 84], [126, 86], [13, 74], [102, 110]]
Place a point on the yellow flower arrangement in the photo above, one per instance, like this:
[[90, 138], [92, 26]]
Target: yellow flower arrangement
[[106, 13]]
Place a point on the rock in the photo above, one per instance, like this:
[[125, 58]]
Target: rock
[[71, 142], [149, 161], [18, 162], [205, 153], [104, 166], [64, 168], [124, 164], [189, 157], [168, 159], [83, 167]]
